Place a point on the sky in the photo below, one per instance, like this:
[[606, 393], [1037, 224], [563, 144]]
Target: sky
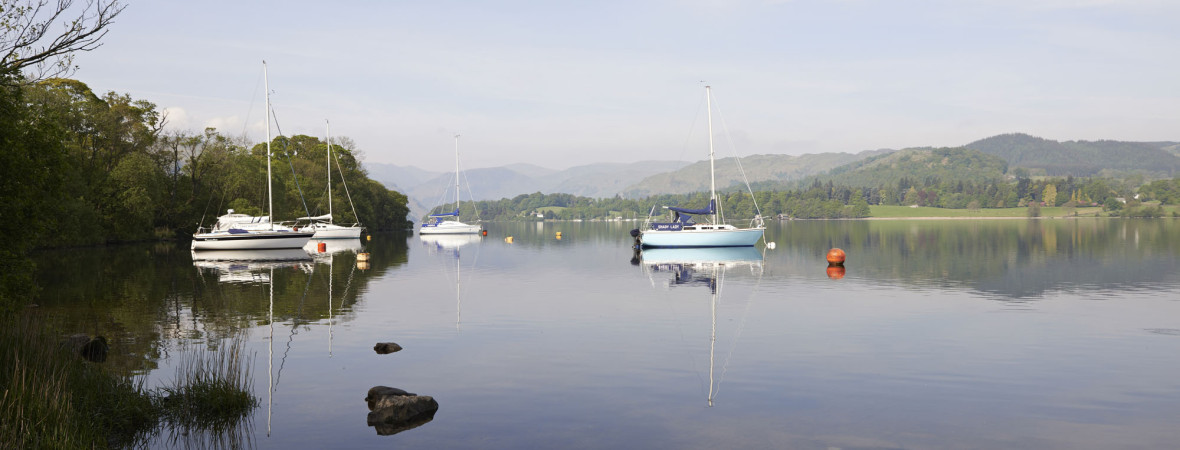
[[561, 83]]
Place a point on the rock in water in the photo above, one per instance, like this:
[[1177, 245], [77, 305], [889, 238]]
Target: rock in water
[[393, 410], [385, 348], [95, 350]]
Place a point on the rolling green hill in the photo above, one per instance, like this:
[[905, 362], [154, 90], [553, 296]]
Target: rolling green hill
[[945, 164], [761, 169], [1083, 158]]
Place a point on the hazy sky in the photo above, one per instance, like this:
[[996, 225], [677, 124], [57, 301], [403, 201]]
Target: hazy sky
[[560, 84]]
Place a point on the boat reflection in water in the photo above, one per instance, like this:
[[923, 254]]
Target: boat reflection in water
[[444, 242], [450, 244], [702, 267], [249, 266]]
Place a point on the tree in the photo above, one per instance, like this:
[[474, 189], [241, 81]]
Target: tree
[[25, 24], [911, 197], [1050, 195]]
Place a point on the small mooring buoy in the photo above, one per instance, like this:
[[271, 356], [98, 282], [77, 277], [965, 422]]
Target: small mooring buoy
[[770, 245], [322, 247], [508, 239], [835, 264], [836, 257], [362, 257], [559, 235], [368, 237], [484, 232]]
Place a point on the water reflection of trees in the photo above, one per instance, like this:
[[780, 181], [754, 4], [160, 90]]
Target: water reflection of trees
[[144, 296], [1009, 258]]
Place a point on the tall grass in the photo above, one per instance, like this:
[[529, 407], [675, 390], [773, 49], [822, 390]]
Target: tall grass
[[211, 388], [52, 398]]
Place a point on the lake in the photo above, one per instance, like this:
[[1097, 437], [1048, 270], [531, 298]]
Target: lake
[[938, 334]]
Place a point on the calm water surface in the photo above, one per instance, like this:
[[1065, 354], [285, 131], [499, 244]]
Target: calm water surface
[[940, 334]]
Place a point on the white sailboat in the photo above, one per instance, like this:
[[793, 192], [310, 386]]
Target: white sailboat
[[242, 232], [436, 224], [683, 231], [323, 225]]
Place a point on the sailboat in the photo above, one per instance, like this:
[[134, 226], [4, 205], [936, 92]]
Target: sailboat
[[243, 232], [436, 224], [323, 225], [683, 231]]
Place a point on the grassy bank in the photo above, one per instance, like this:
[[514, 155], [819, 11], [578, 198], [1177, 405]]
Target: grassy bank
[[53, 398]]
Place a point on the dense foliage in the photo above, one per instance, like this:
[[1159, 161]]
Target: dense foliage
[[80, 169]]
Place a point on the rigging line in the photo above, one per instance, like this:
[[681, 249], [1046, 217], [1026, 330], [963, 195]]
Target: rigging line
[[741, 327], [201, 224], [250, 108], [733, 150], [443, 197], [286, 153], [469, 193], [692, 126], [294, 325], [340, 168]]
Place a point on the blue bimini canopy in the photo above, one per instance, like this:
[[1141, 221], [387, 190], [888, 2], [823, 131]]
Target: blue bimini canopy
[[710, 210], [452, 213]]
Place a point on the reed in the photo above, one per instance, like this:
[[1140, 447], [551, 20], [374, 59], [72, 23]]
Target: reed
[[212, 389], [52, 398]]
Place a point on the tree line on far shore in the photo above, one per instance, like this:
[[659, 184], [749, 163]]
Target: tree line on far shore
[[827, 200]]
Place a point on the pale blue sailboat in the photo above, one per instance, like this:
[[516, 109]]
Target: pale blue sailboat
[[683, 231]]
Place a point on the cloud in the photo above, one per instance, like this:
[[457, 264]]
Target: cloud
[[177, 117]]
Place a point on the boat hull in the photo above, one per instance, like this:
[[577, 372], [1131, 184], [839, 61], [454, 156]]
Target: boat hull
[[260, 240], [449, 228], [336, 232], [700, 238]]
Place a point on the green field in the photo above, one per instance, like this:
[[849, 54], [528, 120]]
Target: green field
[[881, 211]]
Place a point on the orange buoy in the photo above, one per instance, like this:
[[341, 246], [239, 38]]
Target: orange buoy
[[485, 232], [836, 256], [322, 247], [835, 272]]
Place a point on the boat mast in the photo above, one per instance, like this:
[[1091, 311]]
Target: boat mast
[[269, 196], [712, 175], [329, 131], [456, 175]]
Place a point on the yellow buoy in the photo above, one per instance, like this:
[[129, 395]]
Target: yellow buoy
[[369, 237], [508, 239], [362, 256]]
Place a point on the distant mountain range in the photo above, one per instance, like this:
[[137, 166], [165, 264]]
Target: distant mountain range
[[982, 159]]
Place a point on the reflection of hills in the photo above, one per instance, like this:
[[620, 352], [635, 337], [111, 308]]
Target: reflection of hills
[[1077, 274], [1009, 258]]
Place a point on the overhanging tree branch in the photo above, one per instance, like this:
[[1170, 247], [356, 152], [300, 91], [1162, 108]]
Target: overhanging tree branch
[[25, 28]]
